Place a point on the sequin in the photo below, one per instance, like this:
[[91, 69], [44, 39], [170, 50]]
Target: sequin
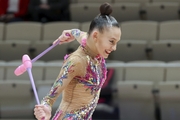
[[75, 32]]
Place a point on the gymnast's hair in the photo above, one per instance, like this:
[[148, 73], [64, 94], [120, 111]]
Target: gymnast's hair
[[104, 19]]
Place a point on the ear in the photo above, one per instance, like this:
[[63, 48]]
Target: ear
[[95, 35]]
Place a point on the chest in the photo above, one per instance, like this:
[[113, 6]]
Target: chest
[[95, 76]]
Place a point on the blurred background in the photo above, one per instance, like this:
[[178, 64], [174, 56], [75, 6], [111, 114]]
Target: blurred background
[[143, 81]]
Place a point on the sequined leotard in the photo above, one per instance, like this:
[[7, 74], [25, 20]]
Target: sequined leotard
[[80, 81]]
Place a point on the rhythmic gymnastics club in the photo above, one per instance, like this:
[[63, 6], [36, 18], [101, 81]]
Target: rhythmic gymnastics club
[[28, 65], [21, 69]]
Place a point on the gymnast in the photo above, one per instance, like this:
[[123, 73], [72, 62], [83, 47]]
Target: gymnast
[[84, 71]]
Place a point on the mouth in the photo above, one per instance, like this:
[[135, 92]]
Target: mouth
[[107, 52]]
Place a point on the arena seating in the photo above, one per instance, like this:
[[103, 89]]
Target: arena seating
[[146, 62]]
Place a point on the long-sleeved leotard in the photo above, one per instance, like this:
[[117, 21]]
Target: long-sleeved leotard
[[80, 81]]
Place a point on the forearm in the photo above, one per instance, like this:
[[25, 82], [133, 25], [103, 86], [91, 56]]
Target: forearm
[[47, 101], [73, 34]]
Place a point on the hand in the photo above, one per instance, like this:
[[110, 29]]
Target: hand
[[44, 6], [42, 112], [2, 17], [65, 37], [9, 17]]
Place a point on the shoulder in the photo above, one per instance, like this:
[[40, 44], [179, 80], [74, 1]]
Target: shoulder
[[75, 64], [77, 55], [75, 60]]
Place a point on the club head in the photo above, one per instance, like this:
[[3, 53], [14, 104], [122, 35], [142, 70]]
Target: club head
[[23, 67]]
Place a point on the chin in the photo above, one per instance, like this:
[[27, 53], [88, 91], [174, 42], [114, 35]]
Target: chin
[[105, 56]]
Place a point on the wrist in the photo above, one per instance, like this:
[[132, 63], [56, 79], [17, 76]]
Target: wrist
[[48, 111], [75, 33], [47, 105]]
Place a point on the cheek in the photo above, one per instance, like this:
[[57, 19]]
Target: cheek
[[105, 45], [101, 47]]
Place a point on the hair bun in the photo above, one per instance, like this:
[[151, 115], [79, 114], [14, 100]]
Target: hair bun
[[105, 9]]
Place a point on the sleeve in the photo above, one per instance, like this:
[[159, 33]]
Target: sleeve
[[33, 6], [23, 8], [79, 35], [3, 7], [61, 4], [82, 37], [69, 70]]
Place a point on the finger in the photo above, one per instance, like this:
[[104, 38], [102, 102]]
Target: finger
[[63, 38], [55, 41], [41, 116], [37, 115], [65, 41], [66, 36], [39, 106], [37, 111]]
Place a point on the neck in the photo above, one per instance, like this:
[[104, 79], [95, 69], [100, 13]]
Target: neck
[[91, 49]]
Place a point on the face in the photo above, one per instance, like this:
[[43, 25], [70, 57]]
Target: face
[[106, 42]]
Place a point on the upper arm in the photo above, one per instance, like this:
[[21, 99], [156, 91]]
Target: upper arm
[[74, 66]]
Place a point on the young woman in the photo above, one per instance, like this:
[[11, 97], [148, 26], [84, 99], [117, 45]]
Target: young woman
[[84, 71]]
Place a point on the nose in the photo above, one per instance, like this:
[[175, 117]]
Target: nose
[[114, 47]]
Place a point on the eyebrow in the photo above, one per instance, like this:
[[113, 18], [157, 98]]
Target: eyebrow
[[114, 39]]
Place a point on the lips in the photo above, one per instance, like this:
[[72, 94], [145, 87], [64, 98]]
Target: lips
[[107, 52]]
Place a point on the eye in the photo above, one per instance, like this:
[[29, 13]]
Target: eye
[[111, 41]]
